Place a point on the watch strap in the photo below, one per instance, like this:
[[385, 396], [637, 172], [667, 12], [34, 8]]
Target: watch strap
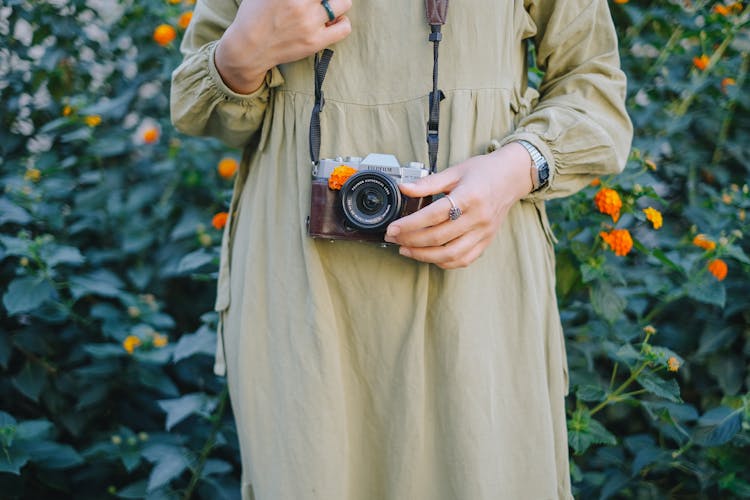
[[539, 166]]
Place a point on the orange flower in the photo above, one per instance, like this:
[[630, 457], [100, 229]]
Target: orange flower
[[184, 19], [673, 364], [619, 240], [654, 216], [339, 176], [174, 1], [726, 82], [164, 34], [160, 340], [701, 240], [721, 9], [621, 1], [718, 268], [67, 111], [93, 120], [596, 182], [151, 135], [701, 62], [220, 220], [608, 202], [227, 167], [130, 343]]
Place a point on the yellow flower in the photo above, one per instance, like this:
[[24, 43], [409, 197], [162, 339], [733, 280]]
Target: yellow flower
[[67, 111], [93, 120], [608, 202], [619, 240], [32, 174], [702, 241], [673, 364], [160, 340], [650, 164], [718, 268], [130, 343], [654, 216]]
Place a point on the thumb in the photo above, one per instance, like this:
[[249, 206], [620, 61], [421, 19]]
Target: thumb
[[442, 182]]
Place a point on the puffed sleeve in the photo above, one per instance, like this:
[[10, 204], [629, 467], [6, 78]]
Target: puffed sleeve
[[579, 124], [200, 101]]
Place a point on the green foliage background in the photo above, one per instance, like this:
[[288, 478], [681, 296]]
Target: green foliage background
[[105, 237]]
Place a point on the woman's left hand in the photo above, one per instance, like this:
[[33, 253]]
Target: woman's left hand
[[483, 187]]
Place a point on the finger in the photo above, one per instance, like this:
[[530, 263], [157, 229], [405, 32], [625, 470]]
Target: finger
[[468, 258], [338, 7], [336, 30], [456, 253], [437, 235], [431, 215], [442, 182]]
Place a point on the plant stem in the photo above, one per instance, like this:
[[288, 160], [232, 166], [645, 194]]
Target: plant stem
[[209, 444], [725, 124], [613, 397]]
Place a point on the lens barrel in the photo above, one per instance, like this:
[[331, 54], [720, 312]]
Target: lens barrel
[[370, 200]]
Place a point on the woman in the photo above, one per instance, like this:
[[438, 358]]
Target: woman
[[433, 368]]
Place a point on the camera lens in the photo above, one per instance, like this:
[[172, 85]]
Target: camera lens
[[370, 200]]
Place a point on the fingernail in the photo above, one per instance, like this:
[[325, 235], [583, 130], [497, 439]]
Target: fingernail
[[404, 251], [393, 231]]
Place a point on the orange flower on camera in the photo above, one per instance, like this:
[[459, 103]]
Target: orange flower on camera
[[701, 62], [619, 240], [185, 19], [339, 176], [220, 220], [654, 216], [702, 241], [164, 34], [718, 268], [608, 202], [227, 167]]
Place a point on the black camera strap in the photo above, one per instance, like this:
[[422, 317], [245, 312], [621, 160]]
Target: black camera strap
[[437, 11]]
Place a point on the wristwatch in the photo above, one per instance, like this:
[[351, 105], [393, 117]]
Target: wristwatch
[[539, 166]]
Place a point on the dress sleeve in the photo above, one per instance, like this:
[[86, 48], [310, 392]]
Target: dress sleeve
[[200, 101], [579, 124]]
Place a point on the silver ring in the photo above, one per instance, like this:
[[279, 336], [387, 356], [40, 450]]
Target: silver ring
[[454, 212], [329, 11]]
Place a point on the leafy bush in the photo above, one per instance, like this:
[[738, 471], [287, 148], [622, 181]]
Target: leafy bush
[[108, 256]]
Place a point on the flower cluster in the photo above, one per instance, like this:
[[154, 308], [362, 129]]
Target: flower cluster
[[608, 202], [619, 240]]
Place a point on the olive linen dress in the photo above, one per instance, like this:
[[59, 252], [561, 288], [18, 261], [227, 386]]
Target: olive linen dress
[[359, 374]]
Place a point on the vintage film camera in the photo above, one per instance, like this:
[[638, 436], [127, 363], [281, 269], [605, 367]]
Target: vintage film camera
[[367, 202]]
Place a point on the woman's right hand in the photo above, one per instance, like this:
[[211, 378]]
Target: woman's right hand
[[266, 33]]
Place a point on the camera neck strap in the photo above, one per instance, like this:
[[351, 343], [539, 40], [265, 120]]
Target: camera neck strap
[[437, 12]]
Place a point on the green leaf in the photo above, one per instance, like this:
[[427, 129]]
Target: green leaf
[[12, 460], [26, 294], [10, 212], [134, 490], [30, 381], [737, 253], [179, 409], [58, 254], [584, 431], [34, 429], [194, 261], [590, 273], [170, 462], [606, 301], [591, 393], [201, 342], [51, 455], [718, 426], [100, 282], [668, 389], [704, 287]]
